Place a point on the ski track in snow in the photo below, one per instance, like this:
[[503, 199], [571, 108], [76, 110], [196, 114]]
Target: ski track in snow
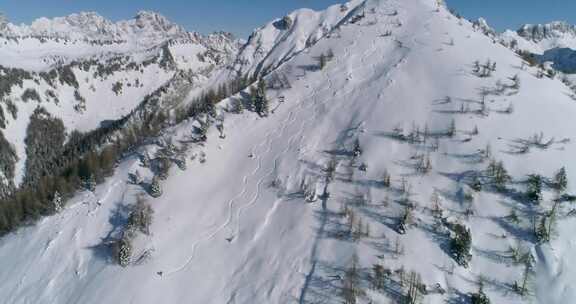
[[211, 235]]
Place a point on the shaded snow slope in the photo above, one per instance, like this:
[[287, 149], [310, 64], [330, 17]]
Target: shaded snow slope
[[236, 229]]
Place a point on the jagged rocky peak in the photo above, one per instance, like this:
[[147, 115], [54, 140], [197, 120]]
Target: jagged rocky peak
[[539, 32], [482, 25], [92, 26], [152, 21]]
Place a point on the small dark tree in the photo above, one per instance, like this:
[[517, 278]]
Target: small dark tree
[[386, 179], [322, 61], [124, 251], [542, 233], [357, 150], [57, 202], [259, 99], [155, 189], [534, 191], [560, 180], [479, 297], [90, 183], [498, 174], [451, 128]]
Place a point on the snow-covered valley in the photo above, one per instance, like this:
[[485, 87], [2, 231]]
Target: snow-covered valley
[[385, 131]]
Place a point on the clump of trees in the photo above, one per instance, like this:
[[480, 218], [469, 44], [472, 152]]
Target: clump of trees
[[460, 244], [117, 87], [30, 94], [484, 70], [498, 175], [139, 221]]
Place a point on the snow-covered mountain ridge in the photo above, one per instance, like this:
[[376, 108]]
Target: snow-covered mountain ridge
[[87, 71], [398, 135], [556, 34], [146, 28]]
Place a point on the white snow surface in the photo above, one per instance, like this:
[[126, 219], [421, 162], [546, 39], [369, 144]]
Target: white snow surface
[[223, 234]]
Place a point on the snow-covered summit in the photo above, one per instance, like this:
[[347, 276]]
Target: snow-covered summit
[[482, 24], [281, 39], [541, 37]]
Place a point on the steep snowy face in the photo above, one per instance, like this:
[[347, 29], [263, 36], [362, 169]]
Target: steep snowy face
[[283, 38], [552, 35], [482, 25]]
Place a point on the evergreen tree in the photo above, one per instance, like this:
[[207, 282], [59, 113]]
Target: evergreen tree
[[322, 61], [124, 252], [534, 191], [90, 183], [498, 174], [259, 98], [451, 129], [560, 180], [386, 179], [357, 150], [57, 202], [542, 233], [460, 244], [155, 189], [479, 297]]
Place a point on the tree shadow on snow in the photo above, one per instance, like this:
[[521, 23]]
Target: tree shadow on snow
[[117, 220]]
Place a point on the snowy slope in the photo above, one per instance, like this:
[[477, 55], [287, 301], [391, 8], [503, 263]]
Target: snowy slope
[[111, 67], [236, 229]]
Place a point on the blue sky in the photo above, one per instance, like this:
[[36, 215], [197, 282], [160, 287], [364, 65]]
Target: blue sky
[[242, 16]]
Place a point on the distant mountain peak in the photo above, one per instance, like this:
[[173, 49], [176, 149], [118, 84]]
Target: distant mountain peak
[[482, 25], [145, 27], [552, 30], [153, 20]]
